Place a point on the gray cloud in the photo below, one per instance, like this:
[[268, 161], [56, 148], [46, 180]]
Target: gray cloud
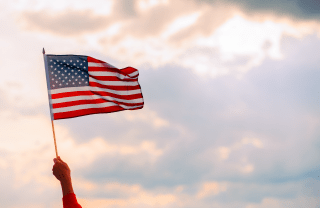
[[297, 9]]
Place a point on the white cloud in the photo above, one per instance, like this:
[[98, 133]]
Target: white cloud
[[146, 115], [98, 6], [180, 23], [211, 189], [146, 5]]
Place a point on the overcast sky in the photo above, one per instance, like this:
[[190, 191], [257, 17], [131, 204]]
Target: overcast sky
[[231, 116]]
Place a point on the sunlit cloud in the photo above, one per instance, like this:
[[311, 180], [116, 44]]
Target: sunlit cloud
[[145, 5], [211, 188]]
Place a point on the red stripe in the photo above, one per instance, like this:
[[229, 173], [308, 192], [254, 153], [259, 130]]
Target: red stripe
[[103, 69], [114, 78], [90, 59], [95, 101], [129, 70], [122, 88], [84, 112], [89, 111], [124, 71], [79, 93]]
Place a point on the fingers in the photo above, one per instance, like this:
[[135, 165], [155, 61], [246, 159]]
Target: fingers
[[58, 159]]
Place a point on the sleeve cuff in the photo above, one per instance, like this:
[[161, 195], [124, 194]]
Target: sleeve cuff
[[69, 200]]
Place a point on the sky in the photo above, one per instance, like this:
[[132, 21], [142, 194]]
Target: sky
[[231, 116]]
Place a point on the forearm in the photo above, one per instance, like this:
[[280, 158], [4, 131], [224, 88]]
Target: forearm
[[66, 186]]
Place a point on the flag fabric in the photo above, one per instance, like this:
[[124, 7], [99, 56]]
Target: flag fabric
[[82, 85]]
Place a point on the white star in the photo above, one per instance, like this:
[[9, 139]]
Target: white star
[[67, 84], [74, 64], [82, 73], [52, 79], [71, 70], [51, 72], [76, 73], [79, 82], [62, 80], [77, 60], [66, 77], [79, 76], [53, 85], [58, 71], [76, 79], [62, 74], [51, 66], [54, 62], [64, 60], [72, 82], [60, 84], [65, 70], [58, 65], [82, 79], [55, 75], [72, 76], [80, 64], [70, 60], [55, 68], [84, 61], [84, 67], [69, 74], [51, 60]]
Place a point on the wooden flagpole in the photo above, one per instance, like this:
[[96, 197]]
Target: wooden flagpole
[[48, 87], [54, 138]]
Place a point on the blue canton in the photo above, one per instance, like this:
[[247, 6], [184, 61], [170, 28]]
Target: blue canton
[[67, 71]]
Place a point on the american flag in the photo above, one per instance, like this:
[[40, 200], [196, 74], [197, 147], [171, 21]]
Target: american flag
[[82, 85]]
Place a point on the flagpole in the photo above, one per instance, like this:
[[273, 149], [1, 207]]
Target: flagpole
[[48, 87], [54, 138]]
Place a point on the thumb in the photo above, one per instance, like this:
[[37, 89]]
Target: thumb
[[55, 160]]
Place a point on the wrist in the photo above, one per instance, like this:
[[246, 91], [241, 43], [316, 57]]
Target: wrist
[[66, 186], [65, 181]]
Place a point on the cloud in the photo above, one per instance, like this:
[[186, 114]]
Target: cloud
[[280, 203], [212, 40], [67, 23], [298, 9], [211, 188]]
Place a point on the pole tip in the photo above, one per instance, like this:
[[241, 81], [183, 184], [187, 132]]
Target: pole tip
[[43, 51]]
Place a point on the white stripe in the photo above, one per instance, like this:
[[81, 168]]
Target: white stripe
[[88, 106], [94, 89], [93, 64], [114, 83], [133, 74], [109, 74], [93, 97]]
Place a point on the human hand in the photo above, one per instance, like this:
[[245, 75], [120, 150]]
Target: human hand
[[61, 170]]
